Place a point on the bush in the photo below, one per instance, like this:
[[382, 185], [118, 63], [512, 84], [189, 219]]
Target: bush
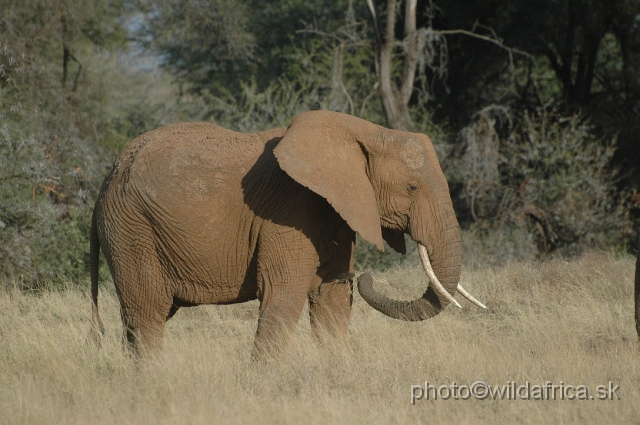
[[48, 173], [51, 161], [542, 185]]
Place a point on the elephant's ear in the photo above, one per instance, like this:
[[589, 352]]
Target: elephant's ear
[[320, 152], [395, 239]]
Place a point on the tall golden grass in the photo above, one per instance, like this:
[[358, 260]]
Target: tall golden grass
[[554, 321]]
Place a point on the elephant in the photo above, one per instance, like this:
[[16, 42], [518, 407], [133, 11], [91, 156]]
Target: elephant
[[192, 213]]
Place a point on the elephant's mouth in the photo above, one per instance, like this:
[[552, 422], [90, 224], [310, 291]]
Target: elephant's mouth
[[419, 309]]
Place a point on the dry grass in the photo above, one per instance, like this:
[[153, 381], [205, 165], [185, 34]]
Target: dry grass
[[557, 321]]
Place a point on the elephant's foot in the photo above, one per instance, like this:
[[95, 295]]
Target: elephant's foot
[[144, 343], [144, 329]]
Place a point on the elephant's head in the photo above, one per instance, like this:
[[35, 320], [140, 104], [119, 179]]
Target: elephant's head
[[383, 183]]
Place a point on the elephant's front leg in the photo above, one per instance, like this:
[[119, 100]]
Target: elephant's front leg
[[330, 309], [277, 321], [283, 281]]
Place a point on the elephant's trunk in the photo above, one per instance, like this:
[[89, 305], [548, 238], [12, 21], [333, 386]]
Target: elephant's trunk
[[422, 308], [444, 276]]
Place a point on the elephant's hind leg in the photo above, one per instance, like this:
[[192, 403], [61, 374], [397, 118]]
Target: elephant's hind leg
[[282, 298], [145, 305], [144, 325]]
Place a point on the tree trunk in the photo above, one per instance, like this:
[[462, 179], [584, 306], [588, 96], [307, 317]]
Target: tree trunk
[[395, 102], [578, 53]]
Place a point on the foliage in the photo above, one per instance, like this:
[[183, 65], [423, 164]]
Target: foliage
[[314, 82], [220, 46], [587, 62], [550, 179], [367, 256], [51, 120], [533, 175], [206, 44]]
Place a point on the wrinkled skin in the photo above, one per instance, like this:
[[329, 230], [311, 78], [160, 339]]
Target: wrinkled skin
[[192, 214]]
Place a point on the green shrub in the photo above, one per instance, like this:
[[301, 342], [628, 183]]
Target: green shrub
[[546, 186], [51, 164]]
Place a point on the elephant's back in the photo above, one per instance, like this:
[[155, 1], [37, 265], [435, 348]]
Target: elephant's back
[[183, 140], [195, 167], [183, 153]]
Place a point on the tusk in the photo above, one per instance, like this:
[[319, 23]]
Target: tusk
[[468, 296], [435, 283]]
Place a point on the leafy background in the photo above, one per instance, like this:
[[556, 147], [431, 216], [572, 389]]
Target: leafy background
[[541, 151]]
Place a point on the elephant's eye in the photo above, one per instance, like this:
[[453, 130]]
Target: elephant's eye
[[412, 186]]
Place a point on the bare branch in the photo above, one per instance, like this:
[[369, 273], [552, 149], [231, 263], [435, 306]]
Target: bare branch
[[411, 51], [376, 22], [477, 24], [322, 33], [495, 41], [338, 62], [352, 42], [421, 49], [395, 109], [391, 24], [366, 99]]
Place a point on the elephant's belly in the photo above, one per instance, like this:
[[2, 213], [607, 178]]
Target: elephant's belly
[[206, 272], [216, 293], [208, 248]]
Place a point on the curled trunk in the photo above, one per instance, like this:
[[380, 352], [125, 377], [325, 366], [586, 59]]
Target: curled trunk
[[422, 308], [435, 298]]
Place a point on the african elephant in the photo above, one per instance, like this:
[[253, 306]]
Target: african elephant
[[192, 213]]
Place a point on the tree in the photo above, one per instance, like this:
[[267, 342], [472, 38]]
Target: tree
[[51, 116], [588, 62], [213, 46], [205, 44], [395, 100], [420, 48]]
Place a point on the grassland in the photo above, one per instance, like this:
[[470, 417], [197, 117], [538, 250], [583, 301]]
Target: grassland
[[557, 321]]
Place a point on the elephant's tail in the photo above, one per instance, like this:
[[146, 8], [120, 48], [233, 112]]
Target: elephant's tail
[[94, 264]]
